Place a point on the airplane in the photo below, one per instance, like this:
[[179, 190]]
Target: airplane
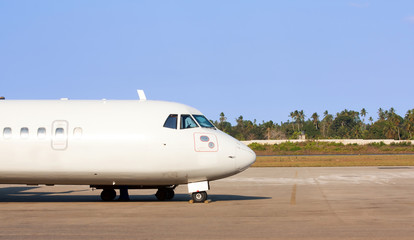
[[116, 145]]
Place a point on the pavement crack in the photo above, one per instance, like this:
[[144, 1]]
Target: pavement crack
[[327, 201]]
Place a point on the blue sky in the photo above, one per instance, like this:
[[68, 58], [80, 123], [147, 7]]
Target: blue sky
[[258, 59]]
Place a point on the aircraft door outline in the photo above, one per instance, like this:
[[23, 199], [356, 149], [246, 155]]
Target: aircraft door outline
[[60, 134]]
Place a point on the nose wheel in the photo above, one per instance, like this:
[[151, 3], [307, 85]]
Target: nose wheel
[[199, 197]]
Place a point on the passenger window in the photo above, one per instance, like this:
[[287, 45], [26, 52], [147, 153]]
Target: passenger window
[[171, 121], [24, 132], [77, 132], [7, 132], [41, 132], [187, 122], [60, 133]]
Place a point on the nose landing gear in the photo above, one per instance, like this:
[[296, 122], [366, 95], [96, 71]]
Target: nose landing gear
[[198, 191], [199, 197]]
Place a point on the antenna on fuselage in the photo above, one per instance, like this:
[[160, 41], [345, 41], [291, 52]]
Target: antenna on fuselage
[[141, 95]]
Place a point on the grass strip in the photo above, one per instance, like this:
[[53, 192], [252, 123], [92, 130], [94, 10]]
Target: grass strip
[[314, 147], [334, 161]]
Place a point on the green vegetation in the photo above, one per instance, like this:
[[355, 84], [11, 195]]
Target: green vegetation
[[347, 124], [258, 147], [344, 125], [317, 147], [334, 161]]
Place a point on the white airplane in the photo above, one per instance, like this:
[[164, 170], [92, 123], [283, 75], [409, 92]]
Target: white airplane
[[115, 144]]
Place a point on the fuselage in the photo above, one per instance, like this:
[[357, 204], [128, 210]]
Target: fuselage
[[113, 142]]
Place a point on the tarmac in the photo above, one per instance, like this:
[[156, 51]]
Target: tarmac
[[260, 203]]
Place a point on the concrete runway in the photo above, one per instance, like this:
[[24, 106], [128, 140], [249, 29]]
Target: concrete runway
[[260, 203]]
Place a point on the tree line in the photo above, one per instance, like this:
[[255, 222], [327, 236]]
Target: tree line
[[347, 124]]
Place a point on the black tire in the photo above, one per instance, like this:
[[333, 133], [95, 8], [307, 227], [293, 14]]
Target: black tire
[[199, 197], [170, 193], [162, 194], [108, 194]]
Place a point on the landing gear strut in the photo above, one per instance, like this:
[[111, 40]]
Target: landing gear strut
[[108, 194], [199, 197], [123, 194], [165, 194]]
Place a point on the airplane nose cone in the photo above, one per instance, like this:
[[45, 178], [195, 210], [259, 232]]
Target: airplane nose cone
[[244, 157]]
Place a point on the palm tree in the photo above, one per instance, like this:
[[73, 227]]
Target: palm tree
[[296, 117], [371, 120], [393, 121], [363, 114], [389, 130], [315, 118], [396, 120], [222, 118], [381, 114], [324, 123], [409, 122], [293, 116], [329, 120], [301, 116]]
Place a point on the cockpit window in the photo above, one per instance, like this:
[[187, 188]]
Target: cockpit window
[[171, 121], [203, 121], [187, 122]]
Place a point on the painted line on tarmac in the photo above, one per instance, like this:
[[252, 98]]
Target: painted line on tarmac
[[293, 195]]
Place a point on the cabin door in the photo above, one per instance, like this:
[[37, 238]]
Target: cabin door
[[60, 135]]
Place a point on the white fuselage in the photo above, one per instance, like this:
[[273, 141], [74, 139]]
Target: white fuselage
[[115, 142]]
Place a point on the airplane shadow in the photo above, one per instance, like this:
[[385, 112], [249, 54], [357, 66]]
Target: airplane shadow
[[225, 197], [23, 194]]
